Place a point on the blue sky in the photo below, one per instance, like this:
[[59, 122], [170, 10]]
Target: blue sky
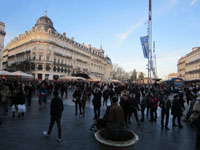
[[116, 24]]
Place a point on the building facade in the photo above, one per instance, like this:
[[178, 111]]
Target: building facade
[[47, 54], [2, 36], [189, 65], [181, 67]]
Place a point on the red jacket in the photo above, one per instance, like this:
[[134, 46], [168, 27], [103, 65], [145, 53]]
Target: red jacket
[[155, 102]]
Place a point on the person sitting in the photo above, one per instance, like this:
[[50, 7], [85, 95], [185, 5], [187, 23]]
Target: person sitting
[[114, 114]]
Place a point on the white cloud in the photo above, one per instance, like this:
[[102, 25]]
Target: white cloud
[[124, 35], [193, 2]]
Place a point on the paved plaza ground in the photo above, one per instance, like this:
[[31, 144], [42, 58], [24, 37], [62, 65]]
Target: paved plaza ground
[[26, 133]]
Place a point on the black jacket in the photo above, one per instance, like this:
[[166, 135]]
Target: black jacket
[[97, 98], [166, 106], [56, 107]]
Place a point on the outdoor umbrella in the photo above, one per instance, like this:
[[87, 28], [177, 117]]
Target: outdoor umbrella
[[22, 74]]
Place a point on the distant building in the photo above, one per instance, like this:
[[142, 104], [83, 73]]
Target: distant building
[[181, 67], [189, 65], [172, 75], [47, 54], [2, 36]]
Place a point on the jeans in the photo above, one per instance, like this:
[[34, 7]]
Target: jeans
[[56, 119], [78, 104], [174, 119], [96, 112], [153, 114], [163, 114], [142, 112]]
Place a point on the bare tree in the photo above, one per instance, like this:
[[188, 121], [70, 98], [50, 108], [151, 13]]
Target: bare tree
[[141, 77], [119, 73], [134, 75]]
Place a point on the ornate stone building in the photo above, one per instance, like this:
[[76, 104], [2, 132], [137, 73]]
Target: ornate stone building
[[2, 35], [47, 54], [189, 65]]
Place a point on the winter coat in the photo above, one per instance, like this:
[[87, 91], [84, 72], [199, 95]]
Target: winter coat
[[77, 95], [20, 98], [97, 98], [56, 107], [155, 102], [124, 103], [165, 105], [115, 114], [5, 94], [177, 109]]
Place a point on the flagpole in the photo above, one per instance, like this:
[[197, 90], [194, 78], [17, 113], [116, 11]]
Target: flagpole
[[150, 43]]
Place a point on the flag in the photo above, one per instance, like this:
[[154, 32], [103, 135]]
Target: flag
[[145, 46]]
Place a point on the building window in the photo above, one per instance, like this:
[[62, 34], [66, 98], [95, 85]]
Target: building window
[[42, 38], [54, 69], [47, 76], [40, 57], [41, 46], [34, 47], [32, 66], [48, 58], [48, 47], [48, 67], [39, 67], [40, 76], [55, 77]]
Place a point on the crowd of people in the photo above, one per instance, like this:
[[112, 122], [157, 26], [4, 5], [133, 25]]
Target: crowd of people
[[134, 99]]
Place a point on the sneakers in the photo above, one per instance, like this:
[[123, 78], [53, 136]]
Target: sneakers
[[45, 134], [94, 128], [166, 128], [59, 140]]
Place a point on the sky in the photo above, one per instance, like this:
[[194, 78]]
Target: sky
[[117, 25]]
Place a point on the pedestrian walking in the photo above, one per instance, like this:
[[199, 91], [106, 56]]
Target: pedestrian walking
[[195, 119], [177, 111], [56, 109], [133, 107], [105, 96], [143, 104], [165, 105], [4, 98], [125, 105], [77, 100], [42, 96], [154, 107], [21, 107], [83, 101], [97, 102]]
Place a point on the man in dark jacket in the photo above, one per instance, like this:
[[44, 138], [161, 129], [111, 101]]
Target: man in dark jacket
[[97, 102], [177, 111], [165, 105], [56, 109]]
